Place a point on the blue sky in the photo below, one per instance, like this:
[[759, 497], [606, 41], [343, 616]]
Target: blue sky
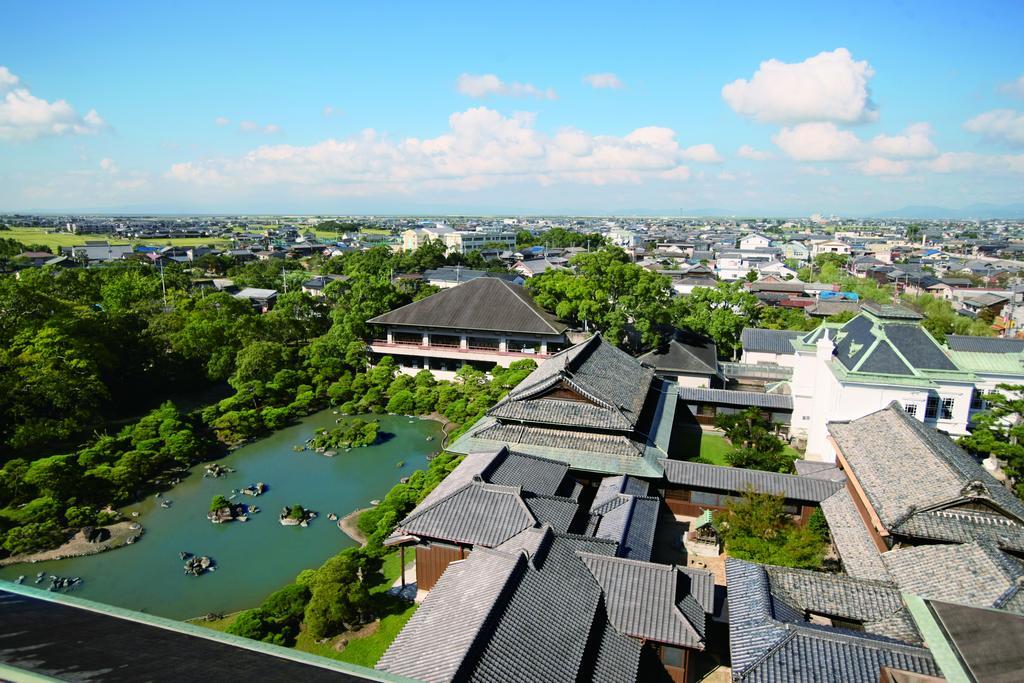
[[547, 107]]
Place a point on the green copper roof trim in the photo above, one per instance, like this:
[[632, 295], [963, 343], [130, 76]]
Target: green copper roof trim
[[935, 639], [9, 673], [200, 632], [996, 363]]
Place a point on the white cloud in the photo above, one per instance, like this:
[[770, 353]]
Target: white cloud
[[999, 125], [704, 153], [331, 111], [222, 121], [1015, 88], [883, 166], [482, 148], [813, 171], [726, 176], [108, 165], [677, 173], [7, 79], [603, 80], [253, 127], [748, 152], [914, 143], [818, 142], [23, 116], [485, 85], [956, 162], [830, 86]]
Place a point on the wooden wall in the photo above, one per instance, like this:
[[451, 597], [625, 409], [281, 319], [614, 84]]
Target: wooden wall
[[433, 559]]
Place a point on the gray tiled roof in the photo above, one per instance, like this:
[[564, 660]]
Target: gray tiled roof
[[728, 397], [907, 469], [545, 626], [610, 487], [642, 599], [768, 341], [770, 642], [976, 574], [736, 479], [685, 352], [476, 514], [618, 658], [963, 526], [485, 303], [515, 434], [538, 475], [589, 451], [851, 538], [630, 521], [491, 496], [613, 387], [460, 606], [554, 511], [958, 342]]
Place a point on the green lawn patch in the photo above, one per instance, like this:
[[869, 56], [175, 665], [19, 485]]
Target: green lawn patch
[[713, 448], [63, 239]]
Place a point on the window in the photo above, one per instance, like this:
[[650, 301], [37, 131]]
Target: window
[[671, 656], [931, 409], [977, 402], [910, 409], [947, 409]]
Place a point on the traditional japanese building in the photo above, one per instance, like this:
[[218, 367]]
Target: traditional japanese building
[[592, 406], [484, 322]]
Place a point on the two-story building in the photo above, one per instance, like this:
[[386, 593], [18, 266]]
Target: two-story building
[[483, 322], [882, 355]]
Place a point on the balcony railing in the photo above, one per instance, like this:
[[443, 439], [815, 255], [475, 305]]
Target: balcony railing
[[449, 347]]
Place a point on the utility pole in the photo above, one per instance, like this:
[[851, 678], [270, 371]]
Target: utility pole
[[163, 285], [284, 279]]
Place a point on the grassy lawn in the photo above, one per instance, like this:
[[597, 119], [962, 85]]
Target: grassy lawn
[[219, 624], [714, 447], [63, 239]]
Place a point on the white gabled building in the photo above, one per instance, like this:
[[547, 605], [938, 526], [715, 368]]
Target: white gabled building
[[843, 372]]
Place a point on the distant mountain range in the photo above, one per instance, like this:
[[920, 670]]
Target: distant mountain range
[[978, 211], [981, 211]]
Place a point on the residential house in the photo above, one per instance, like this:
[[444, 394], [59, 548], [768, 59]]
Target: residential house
[[797, 251], [686, 358], [452, 276], [261, 299], [484, 322], [315, 285], [769, 347], [532, 267], [830, 247], [754, 241]]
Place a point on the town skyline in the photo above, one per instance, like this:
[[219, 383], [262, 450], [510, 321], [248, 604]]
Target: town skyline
[[857, 112]]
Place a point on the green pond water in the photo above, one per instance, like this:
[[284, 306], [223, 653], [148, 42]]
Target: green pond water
[[253, 558]]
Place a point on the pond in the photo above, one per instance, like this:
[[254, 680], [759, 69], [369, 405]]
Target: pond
[[256, 557]]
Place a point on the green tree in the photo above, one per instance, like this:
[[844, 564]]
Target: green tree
[[757, 528], [608, 293], [999, 431], [719, 312]]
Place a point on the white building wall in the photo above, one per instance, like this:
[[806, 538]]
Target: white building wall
[[819, 397]]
